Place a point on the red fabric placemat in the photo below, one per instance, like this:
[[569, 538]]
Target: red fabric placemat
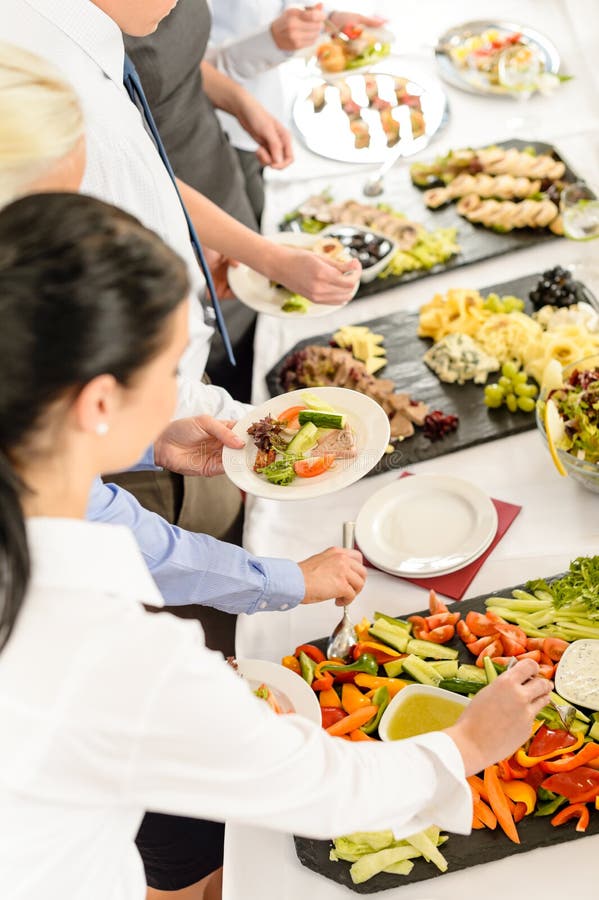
[[455, 584]]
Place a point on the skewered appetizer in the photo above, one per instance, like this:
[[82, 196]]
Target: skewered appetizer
[[505, 215], [500, 187], [490, 160]]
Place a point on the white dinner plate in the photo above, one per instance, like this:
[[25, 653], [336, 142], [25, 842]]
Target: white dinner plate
[[367, 419], [257, 292], [426, 525], [291, 691]]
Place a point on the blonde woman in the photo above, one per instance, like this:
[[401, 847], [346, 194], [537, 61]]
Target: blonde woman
[[42, 146]]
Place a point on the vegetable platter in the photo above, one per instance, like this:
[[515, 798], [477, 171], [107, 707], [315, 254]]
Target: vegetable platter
[[432, 255], [409, 373], [551, 782]]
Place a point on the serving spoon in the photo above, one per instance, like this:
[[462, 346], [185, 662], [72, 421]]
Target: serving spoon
[[344, 636]]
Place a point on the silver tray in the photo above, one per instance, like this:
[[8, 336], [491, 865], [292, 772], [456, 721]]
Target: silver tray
[[327, 130], [454, 36]]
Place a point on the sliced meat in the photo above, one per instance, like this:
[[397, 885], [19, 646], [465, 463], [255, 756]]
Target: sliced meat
[[416, 413], [341, 443], [398, 402], [401, 427]]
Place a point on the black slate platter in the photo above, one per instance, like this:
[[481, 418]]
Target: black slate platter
[[476, 242], [460, 851], [405, 350]]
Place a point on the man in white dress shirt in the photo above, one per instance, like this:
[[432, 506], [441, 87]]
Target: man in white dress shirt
[[84, 40]]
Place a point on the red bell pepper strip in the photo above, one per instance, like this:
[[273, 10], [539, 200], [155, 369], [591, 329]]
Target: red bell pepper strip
[[331, 714], [528, 760], [324, 683], [535, 777], [569, 762], [579, 786], [548, 739], [310, 650], [576, 810]]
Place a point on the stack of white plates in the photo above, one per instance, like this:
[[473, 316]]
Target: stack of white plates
[[426, 525]]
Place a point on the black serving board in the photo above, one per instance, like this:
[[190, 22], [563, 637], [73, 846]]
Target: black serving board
[[476, 242], [460, 851], [405, 350]]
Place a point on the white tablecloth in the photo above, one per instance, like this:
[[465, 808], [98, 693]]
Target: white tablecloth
[[559, 519]]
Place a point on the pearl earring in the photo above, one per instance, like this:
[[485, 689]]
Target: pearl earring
[[102, 428]]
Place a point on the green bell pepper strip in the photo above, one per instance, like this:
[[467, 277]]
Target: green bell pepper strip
[[548, 802], [307, 666], [364, 663], [381, 699]]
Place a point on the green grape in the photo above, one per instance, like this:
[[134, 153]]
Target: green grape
[[526, 404], [525, 390], [505, 383], [509, 370], [520, 378], [512, 402], [494, 396]]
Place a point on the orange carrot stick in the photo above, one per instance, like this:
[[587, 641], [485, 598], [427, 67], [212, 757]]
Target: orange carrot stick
[[485, 814], [352, 722], [500, 803], [476, 824], [358, 735], [478, 785]]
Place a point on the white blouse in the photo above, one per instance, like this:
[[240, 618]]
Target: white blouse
[[107, 711]]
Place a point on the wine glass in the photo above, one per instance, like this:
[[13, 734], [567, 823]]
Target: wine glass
[[518, 70], [580, 212]]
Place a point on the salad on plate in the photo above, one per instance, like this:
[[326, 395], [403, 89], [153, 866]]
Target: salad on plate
[[353, 48]]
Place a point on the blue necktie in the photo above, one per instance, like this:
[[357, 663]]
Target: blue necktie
[[134, 89]]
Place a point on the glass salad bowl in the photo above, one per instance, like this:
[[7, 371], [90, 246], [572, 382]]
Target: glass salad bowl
[[572, 462]]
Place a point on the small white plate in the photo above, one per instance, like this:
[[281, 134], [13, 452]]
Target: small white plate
[[426, 525], [367, 419], [382, 35], [257, 292], [292, 692]]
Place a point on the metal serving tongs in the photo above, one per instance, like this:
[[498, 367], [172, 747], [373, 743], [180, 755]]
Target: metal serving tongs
[[565, 711], [344, 636]]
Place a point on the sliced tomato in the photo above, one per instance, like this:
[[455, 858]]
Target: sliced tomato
[[465, 633], [511, 647], [475, 647], [440, 635], [480, 625], [315, 465], [555, 648], [435, 605], [352, 31], [291, 417], [494, 649]]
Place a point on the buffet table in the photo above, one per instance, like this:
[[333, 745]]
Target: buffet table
[[559, 519]]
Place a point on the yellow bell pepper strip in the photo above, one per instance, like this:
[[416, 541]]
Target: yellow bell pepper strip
[[381, 652], [523, 759], [352, 698], [366, 663], [569, 762], [576, 810], [352, 722], [597, 802], [362, 629], [330, 698], [372, 682], [500, 804], [290, 662], [520, 792], [381, 699]]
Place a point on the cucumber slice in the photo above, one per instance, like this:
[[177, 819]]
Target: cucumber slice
[[303, 441], [396, 638], [429, 650], [471, 673], [397, 623], [393, 668], [420, 670], [322, 419], [560, 702], [447, 668], [489, 669], [594, 731], [458, 686], [315, 402]]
